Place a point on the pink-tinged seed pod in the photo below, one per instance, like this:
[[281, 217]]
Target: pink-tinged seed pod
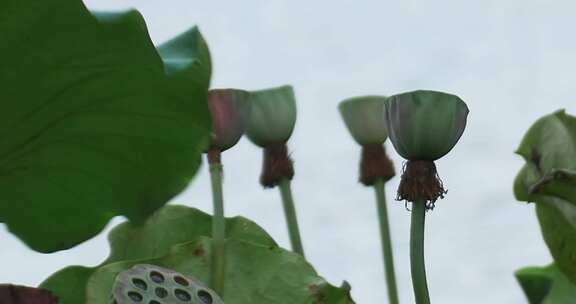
[[229, 109]]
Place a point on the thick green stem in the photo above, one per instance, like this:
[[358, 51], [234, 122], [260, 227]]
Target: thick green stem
[[386, 242], [218, 230], [417, 263], [291, 219]]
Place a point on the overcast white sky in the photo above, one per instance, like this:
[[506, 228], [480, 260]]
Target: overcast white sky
[[511, 61]]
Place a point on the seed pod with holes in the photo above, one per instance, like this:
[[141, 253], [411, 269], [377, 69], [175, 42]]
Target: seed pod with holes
[[229, 109], [151, 284], [364, 117]]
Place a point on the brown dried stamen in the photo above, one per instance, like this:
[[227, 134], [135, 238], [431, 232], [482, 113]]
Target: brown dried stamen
[[420, 181], [276, 166], [375, 165]]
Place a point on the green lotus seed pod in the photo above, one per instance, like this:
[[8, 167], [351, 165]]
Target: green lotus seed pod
[[364, 119], [151, 284], [425, 125], [229, 109], [272, 115]]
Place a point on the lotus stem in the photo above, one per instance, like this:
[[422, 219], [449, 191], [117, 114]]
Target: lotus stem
[[290, 213], [218, 223], [417, 263], [386, 241]]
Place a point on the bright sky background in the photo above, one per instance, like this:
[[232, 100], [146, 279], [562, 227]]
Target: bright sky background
[[511, 61]]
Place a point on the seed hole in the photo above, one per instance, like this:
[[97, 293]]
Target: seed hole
[[161, 292], [154, 302], [182, 281], [205, 297], [156, 277], [134, 296], [140, 284], [182, 295]]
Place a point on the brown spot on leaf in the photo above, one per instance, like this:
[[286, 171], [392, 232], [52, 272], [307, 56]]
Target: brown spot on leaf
[[199, 252], [316, 293], [536, 157]]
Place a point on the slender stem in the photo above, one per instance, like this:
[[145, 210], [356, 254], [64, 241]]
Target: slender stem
[[291, 218], [218, 230], [386, 242], [417, 263]]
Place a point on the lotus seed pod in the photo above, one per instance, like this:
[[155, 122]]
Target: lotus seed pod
[[150, 284], [272, 115], [425, 125], [364, 119], [229, 109]]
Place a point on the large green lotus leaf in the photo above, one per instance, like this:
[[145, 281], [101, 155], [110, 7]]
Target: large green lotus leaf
[[546, 285], [557, 219], [173, 225], [549, 148], [94, 122], [169, 226], [255, 274], [559, 232]]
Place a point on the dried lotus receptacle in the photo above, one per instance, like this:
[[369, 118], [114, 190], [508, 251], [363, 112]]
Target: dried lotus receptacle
[[147, 284]]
